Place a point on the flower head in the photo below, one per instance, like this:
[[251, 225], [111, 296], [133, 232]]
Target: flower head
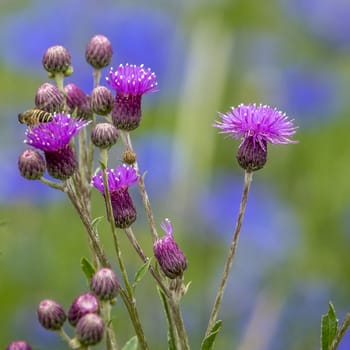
[[54, 135], [256, 126], [132, 80], [51, 314], [83, 304], [90, 329], [19, 345], [119, 179], [57, 59], [49, 98], [168, 254], [31, 164], [53, 138], [77, 101], [99, 51], [105, 284]]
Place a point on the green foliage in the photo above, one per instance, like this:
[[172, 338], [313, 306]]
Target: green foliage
[[87, 268], [140, 273], [131, 344], [208, 341], [329, 326]]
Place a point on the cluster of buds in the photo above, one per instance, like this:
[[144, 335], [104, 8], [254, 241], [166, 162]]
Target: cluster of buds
[[84, 314]]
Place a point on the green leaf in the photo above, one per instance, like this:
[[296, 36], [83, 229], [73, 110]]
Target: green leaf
[[87, 268], [141, 272], [96, 221], [131, 344], [329, 326], [208, 341]]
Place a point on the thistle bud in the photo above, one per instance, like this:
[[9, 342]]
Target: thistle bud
[[102, 100], [105, 284], [77, 101], [99, 51], [104, 135], [49, 98], [51, 315], [57, 59], [31, 164], [83, 304], [168, 254], [18, 345], [90, 329], [129, 157]]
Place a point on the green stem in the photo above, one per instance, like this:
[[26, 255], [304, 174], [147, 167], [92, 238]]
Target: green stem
[[232, 252], [110, 334], [141, 183], [55, 185], [340, 334], [127, 297]]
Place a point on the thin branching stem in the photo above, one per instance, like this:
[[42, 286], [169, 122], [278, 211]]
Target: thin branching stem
[[232, 252], [141, 183]]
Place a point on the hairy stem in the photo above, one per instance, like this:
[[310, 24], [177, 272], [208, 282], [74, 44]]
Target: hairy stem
[[141, 183], [232, 252], [340, 334]]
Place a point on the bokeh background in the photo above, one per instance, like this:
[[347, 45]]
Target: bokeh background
[[293, 255]]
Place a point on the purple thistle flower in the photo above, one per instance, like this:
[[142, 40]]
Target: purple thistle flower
[[105, 284], [119, 180], [90, 329], [130, 82], [53, 139], [168, 254], [256, 126]]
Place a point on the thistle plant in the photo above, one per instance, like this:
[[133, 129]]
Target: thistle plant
[[65, 148]]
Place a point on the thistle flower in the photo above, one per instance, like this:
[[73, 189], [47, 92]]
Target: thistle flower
[[57, 59], [90, 329], [168, 254], [49, 98], [99, 51], [104, 135], [119, 179], [256, 126], [77, 101], [18, 345], [53, 139], [104, 284], [130, 82], [83, 304], [101, 101], [31, 164], [51, 314]]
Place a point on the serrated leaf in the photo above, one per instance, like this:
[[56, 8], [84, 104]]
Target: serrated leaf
[[141, 272], [87, 268], [329, 326], [208, 341], [131, 344], [96, 221]]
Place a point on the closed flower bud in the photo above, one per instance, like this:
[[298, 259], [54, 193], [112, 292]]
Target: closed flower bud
[[57, 59], [18, 345], [49, 98], [83, 304], [104, 135], [105, 284], [51, 315], [129, 157], [99, 52], [77, 101], [90, 329], [31, 164], [168, 254], [102, 100]]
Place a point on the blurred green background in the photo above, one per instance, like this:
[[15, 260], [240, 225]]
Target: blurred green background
[[293, 255]]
